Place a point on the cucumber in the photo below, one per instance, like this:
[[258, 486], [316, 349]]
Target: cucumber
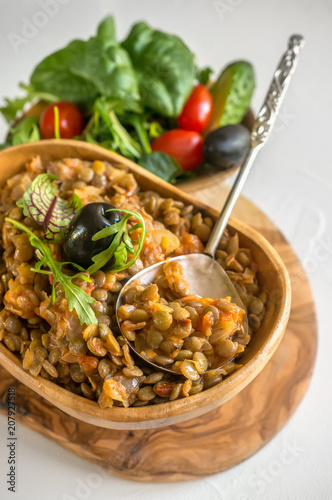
[[231, 95]]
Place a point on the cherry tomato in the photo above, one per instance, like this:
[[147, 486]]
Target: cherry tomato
[[70, 121], [184, 145], [197, 111]]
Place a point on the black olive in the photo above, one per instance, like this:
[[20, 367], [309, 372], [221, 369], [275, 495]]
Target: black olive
[[227, 146], [78, 245]]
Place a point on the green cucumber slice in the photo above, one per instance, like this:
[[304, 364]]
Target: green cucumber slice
[[232, 94]]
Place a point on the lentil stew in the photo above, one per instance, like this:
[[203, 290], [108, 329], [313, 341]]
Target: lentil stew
[[94, 361]]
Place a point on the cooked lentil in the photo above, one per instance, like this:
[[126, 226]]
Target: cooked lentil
[[162, 328], [94, 361]]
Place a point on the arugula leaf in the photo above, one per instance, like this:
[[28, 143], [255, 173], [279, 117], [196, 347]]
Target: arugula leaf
[[84, 70], [77, 298], [120, 256], [139, 123], [128, 242], [155, 130], [26, 130], [42, 203], [106, 129], [14, 106], [203, 75], [160, 164], [165, 68], [117, 253]]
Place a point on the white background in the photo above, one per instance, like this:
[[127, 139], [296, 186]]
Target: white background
[[291, 182]]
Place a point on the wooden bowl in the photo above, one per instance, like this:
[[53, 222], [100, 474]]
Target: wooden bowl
[[272, 275]]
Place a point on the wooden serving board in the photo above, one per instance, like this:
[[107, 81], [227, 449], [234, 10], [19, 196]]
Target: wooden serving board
[[218, 440]]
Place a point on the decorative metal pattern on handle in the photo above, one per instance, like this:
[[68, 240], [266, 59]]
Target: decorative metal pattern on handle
[[268, 113]]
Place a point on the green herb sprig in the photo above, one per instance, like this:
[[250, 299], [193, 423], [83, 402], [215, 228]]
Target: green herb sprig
[[77, 298], [117, 253]]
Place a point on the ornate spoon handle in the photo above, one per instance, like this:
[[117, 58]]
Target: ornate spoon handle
[[260, 132], [276, 93]]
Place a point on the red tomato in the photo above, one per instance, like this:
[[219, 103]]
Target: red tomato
[[70, 121], [184, 145], [197, 111]]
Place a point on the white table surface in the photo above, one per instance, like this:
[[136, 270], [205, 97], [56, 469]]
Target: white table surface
[[291, 182]]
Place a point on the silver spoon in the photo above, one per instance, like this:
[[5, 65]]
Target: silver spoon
[[205, 276]]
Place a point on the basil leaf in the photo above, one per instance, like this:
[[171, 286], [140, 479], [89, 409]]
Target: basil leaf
[[165, 68], [41, 202], [84, 70], [77, 298], [160, 164]]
